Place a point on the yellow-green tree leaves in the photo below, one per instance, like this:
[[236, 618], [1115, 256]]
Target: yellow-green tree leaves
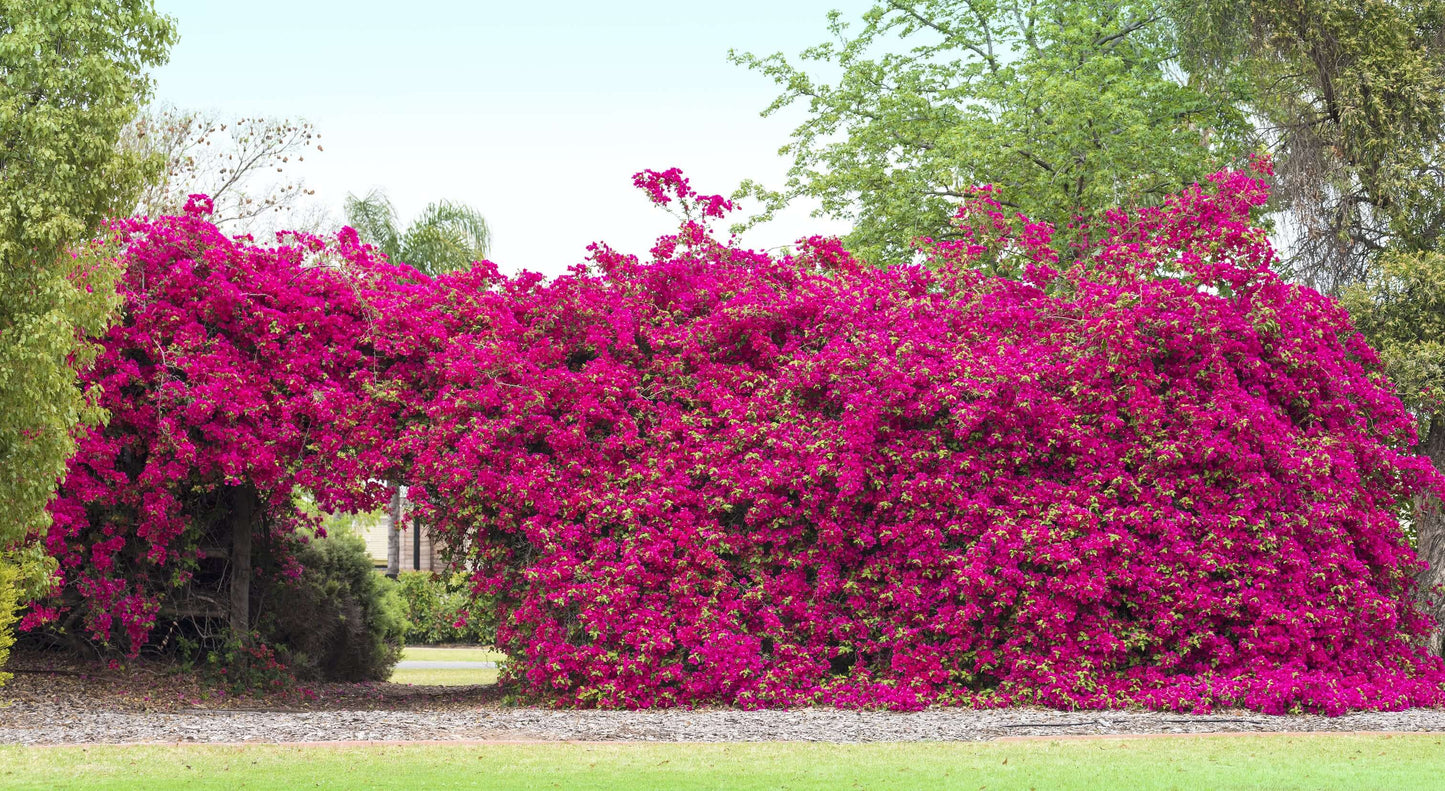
[[73, 77], [1069, 106]]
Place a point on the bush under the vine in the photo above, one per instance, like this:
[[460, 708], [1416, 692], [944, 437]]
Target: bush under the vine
[[440, 609], [338, 621]]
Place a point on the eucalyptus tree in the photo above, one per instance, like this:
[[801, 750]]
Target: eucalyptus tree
[[1349, 99]]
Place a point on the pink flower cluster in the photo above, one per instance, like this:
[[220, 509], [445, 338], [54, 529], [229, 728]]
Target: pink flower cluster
[[1149, 474], [1143, 471]]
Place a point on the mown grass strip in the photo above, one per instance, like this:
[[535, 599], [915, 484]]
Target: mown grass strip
[[427, 654], [1313, 761], [445, 677]]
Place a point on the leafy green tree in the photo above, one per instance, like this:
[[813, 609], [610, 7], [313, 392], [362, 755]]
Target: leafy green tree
[[1349, 97], [1068, 106], [74, 76], [445, 237]]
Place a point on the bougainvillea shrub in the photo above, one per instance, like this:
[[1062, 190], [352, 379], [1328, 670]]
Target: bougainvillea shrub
[[233, 368], [1147, 472]]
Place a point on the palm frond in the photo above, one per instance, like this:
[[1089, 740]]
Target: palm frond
[[446, 237], [374, 218]]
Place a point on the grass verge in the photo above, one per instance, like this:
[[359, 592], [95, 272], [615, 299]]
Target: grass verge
[[425, 654], [1315, 761], [444, 678], [448, 677]]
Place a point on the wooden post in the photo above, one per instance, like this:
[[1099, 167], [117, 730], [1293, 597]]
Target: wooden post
[[243, 522]]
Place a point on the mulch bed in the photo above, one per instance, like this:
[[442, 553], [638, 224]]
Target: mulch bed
[[146, 684], [55, 698]]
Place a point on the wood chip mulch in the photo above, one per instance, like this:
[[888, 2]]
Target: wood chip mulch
[[57, 699]]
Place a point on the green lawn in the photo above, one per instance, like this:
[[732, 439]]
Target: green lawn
[[1195, 763], [425, 654], [444, 678], [450, 678]]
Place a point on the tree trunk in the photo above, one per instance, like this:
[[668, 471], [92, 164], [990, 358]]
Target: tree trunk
[[1430, 540], [393, 534], [245, 510]]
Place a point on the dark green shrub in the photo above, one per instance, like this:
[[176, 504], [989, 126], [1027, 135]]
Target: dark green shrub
[[340, 620], [439, 610]]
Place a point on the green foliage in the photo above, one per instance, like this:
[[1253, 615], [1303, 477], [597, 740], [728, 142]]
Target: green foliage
[[245, 666], [10, 590], [340, 621], [74, 77], [1070, 106], [436, 604], [1400, 308], [34, 570], [446, 237], [1350, 99]]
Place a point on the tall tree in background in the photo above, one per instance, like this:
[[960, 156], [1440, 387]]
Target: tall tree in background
[[1069, 106], [74, 76], [1349, 97], [445, 237]]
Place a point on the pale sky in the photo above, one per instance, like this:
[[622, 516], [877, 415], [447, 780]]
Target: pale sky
[[537, 114]]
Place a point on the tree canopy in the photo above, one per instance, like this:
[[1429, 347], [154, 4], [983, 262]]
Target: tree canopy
[[1349, 98], [1068, 106]]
